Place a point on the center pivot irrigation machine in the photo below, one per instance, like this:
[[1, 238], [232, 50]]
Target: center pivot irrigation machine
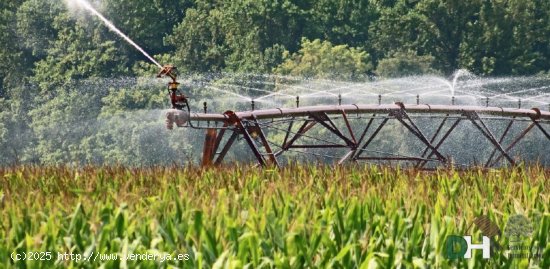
[[352, 128]]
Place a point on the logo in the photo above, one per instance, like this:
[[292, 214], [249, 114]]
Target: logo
[[460, 247], [518, 227], [517, 230]]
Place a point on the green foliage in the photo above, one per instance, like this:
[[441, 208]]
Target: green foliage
[[79, 52], [518, 226], [296, 217], [46, 49], [199, 41], [145, 21], [406, 64], [35, 24], [508, 38], [343, 22], [318, 59]]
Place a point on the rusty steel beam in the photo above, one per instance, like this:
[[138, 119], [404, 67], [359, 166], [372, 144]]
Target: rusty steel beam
[[542, 129], [474, 117], [501, 140], [265, 143], [208, 149], [368, 109], [425, 151], [348, 125], [226, 148], [513, 143], [308, 124], [321, 118], [441, 141], [394, 159], [249, 126], [399, 115], [371, 138]]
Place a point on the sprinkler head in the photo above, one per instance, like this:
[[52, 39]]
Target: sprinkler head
[[453, 101], [252, 104], [379, 99], [297, 101], [418, 99], [168, 70], [339, 99]]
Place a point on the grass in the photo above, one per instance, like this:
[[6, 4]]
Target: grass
[[243, 217]]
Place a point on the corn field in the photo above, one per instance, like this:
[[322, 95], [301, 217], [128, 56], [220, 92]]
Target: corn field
[[244, 217]]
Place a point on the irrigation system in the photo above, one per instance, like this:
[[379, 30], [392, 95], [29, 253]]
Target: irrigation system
[[349, 132], [269, 134]]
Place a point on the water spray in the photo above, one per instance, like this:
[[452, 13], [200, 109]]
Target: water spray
[[111, 26]]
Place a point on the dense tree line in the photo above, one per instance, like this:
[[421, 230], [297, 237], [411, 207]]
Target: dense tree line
[[48, 49]]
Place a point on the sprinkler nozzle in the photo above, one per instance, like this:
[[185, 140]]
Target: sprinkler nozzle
[[178, 100], [418, 99], [297, 101], [168, 70], [379, 99], [339, 99], [453, 101]]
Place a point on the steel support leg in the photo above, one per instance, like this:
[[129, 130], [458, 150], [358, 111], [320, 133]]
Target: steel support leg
[[208, 149]]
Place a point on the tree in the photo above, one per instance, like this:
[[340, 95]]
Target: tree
[[79, 52], [238, 36], [406, 64], [343, 22], [199, 41], [36, 25], [508, 38], [146, 22], [69, 78], [13, 65], [427, 27], [318, 59]]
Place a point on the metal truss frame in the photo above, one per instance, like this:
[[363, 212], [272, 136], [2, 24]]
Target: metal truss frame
[[251, 126]]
